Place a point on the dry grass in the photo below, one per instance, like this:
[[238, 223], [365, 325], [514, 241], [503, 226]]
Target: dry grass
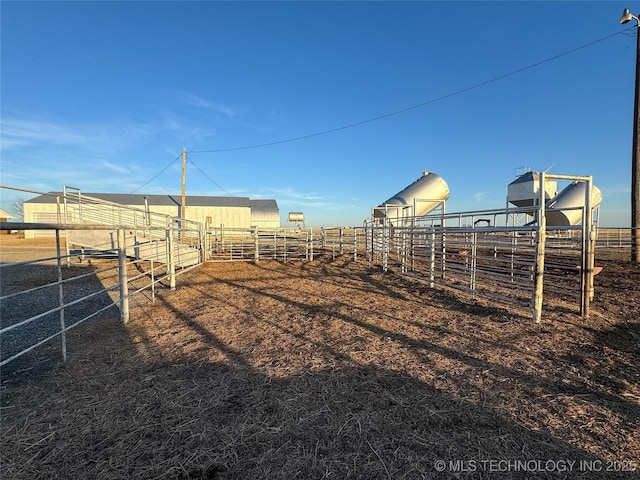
[[332, 369]]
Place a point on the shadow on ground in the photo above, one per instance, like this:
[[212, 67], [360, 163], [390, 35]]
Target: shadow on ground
[[312, 372]]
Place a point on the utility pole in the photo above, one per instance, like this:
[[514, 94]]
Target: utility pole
[[635, 164], [627, 16], [183, 204]]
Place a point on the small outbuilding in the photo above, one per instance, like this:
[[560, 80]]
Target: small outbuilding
[[4, 217]]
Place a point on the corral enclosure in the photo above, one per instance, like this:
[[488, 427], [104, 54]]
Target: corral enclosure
[[332, 368], [364, 352]]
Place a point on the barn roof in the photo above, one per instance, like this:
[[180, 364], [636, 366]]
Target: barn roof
[[158, 200], [263, 205]]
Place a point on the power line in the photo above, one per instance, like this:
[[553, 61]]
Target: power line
[[210, 179], [386, 115], [157, 175], [419, 105]]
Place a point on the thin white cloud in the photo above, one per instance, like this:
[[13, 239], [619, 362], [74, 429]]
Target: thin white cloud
[[115, 168], [290, 193], [43, 154], [480, 196], [18, 133], [195, 101], [305, 203], [615, 190], [225, 109], [199, 102], [21, 133]]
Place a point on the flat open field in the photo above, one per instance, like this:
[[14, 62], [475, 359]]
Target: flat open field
[[334, 370]]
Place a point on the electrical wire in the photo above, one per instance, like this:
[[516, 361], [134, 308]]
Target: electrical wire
[[207, 176], [386, 115], [157, 175], [419, 105]]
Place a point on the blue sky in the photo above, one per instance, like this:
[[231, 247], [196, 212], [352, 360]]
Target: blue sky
[[104, 95]]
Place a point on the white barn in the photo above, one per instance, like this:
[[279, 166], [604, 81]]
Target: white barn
[[231, 212]]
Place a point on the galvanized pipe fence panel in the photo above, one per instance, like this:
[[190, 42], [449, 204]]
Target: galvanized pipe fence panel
[[230, 244], [487, 253], [614, 237], [152, 236], [253, 244], [136, 250], [237, 244], [41, 301], [342, 240], [490, 254]]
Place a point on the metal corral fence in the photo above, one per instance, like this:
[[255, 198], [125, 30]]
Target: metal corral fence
[[44, 298], [343, 240], [489, 253], [147, 234], [253, 244], [284, 244], [111, 252], [614, 238], [492, 253]]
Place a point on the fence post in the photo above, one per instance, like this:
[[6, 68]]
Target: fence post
[[284, 245], [275, 244], [63, 336], [122, 276], [256, 249], [66, 243], [412, 249], [373, 246], [201, 241], [443, 244], [540, 239], [432, 262], [403, 252], [587, 252], [172, 264], [385, 245], [355, 243]]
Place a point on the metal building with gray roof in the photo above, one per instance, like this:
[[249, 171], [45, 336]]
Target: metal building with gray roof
[[231, 212]]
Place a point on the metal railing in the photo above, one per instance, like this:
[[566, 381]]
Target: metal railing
[[253, 244], [489, 254], [342, 240], [41, 300], [150, 248], [146, 230], [614, 237]]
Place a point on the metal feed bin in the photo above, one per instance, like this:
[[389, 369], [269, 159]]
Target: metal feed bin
[[524, 190], [566, 208], [296, 217], [424, 195]]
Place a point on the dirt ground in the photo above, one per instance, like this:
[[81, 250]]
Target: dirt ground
[[332, 369]]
